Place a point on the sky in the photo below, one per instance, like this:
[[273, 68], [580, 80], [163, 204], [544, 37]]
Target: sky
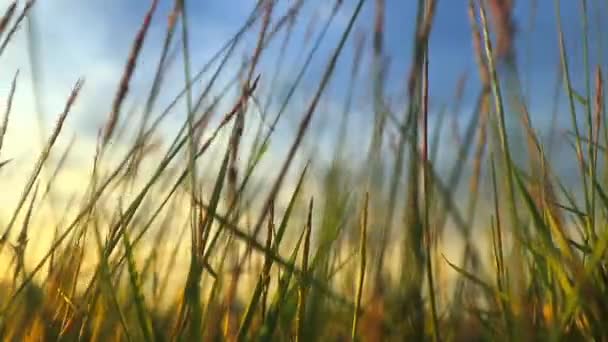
[[92, 39]]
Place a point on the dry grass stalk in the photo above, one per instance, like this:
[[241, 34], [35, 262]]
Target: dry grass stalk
[[9, 105], [8, 14], [599, 109], [163, 64], [502, 15], [174, 15], [11, 33], [41, 160], [542, 191], [482, 65], [379, 25], [484, 78], [240, 118], [425, 29], [378, 88], [289, 17], [422, 36], [305, 122], [123, 87], [22, 240]]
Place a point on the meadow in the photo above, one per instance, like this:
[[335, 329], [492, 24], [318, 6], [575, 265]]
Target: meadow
[[249, 206]]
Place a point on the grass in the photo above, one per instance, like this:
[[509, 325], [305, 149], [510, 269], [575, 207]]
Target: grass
[[180, 240]]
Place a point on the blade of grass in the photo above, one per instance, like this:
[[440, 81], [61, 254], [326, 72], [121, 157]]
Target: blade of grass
[[504, 140], [570, 92], [304, 124], [26, 9], [303, 289], [6, 18], [9, 106], [362, 266], [266, 333], [40, 162], [134, 280]]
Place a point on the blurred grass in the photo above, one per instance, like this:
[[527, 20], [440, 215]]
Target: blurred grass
[[366, 259]]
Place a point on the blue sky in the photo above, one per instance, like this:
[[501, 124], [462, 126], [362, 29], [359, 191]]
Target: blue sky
[[92, 38]]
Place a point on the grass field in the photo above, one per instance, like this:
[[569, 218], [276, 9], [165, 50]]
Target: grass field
[[224, 212]]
